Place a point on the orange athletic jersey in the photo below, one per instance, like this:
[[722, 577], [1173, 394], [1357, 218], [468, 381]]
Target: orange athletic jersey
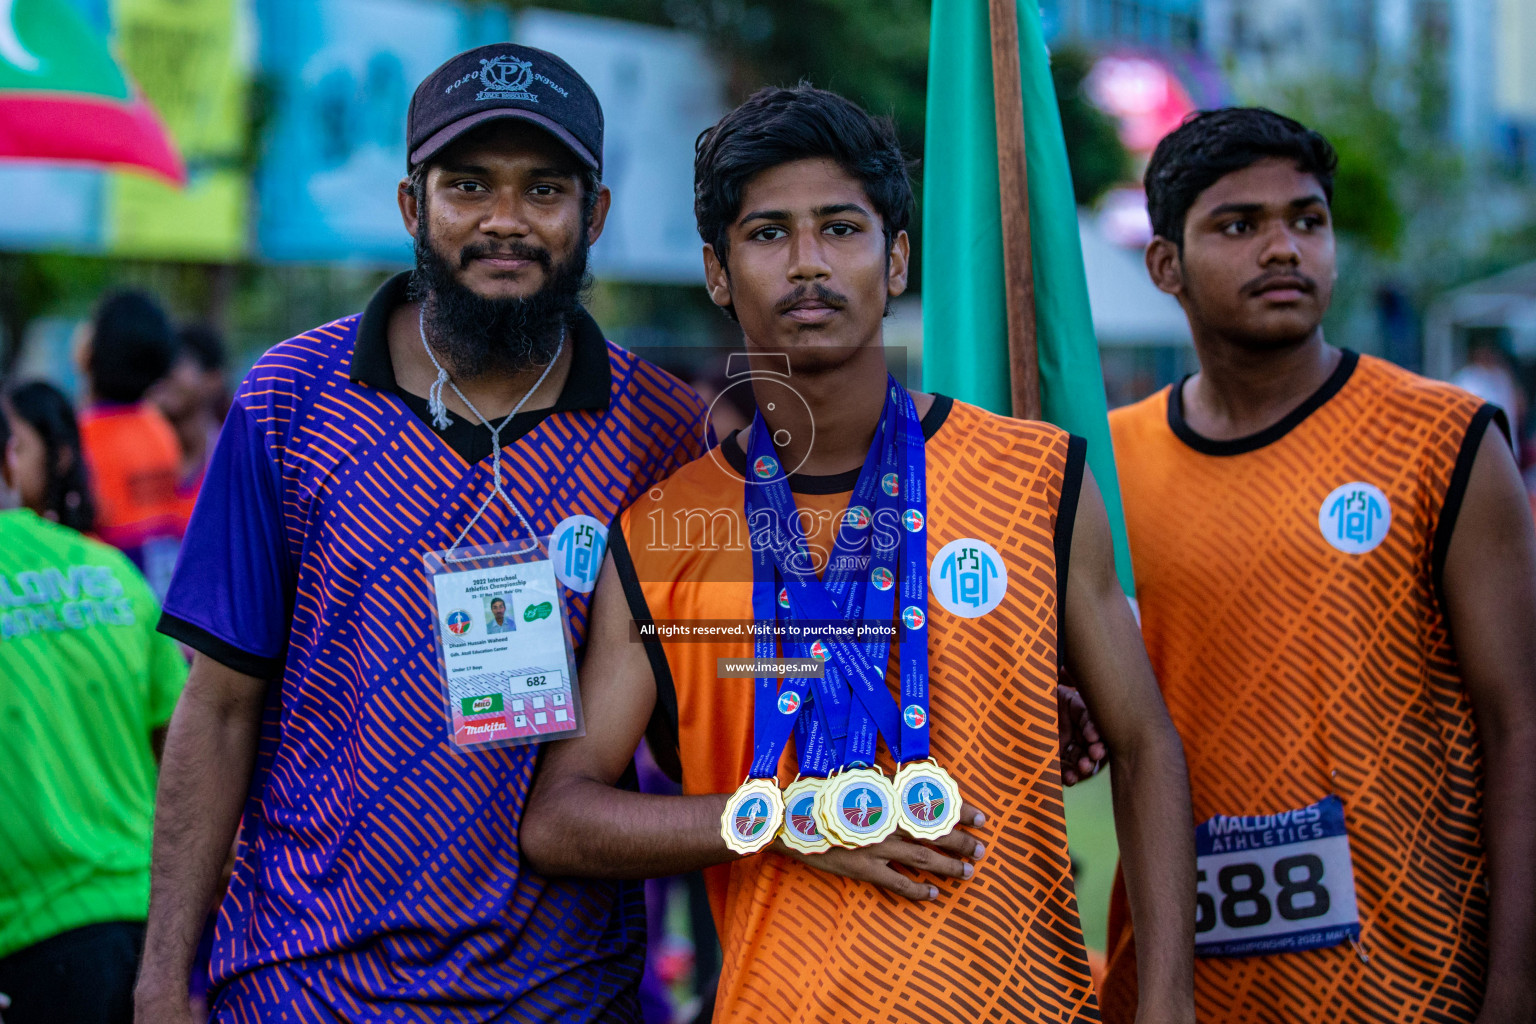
[[805, 946], [1304, 653], [134, 463]]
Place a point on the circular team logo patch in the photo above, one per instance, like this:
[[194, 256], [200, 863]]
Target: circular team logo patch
[[914, 717], [576, 548], [912, 617], [924, 801], [789, 702], [458, 622], [882, 578], [857, 516], [863, 808], [968, 577], [1355, 517], [912, 519], [765, 466], [890, 484], [784, 597], [750, 818]]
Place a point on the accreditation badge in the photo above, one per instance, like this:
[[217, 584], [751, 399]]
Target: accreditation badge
[[927, 800], [800, 831], [504, 650], [752, 816], [857, 807], [1274, 883]]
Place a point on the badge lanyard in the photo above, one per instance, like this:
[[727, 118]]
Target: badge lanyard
[[504, 646]]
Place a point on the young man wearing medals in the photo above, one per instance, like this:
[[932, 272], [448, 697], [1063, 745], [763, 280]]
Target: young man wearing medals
[[851, 521], [1337, 576]]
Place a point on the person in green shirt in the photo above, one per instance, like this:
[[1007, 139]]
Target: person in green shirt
[[86, 689]]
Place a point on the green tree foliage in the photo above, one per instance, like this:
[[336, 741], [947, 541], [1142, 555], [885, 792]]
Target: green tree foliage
[[1099, 160]]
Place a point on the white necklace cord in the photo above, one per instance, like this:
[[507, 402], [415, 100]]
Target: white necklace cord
[[440, 420]]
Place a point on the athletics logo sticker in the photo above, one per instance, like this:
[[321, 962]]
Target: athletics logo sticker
[[857, 516], [912, 617], [765, 466], [789, 702], [924, 800], [968, 577], [862, 808], [577, 545], [914, 717], [458, 622], [1355, 517], [751, 818], [882, 578], [912, 519], [819, 651], [890, 484], [783, 597]]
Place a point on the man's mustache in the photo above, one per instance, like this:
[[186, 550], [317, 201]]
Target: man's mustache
[[820, 291], [1264, 280], [512, 251]]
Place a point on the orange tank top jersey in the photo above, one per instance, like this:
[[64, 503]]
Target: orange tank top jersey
[[802, 945], [1288, 592]]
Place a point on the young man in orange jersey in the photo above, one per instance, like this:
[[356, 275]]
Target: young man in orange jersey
[[1337, 578], [803, 202]]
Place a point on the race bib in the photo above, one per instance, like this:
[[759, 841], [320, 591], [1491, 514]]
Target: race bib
[[1274, 883], [504, 649]]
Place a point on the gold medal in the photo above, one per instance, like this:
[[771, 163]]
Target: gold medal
[[857, 807], [752, 815], [927, 800], [800, 830]]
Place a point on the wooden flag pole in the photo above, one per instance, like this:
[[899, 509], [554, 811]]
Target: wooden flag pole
[[1013, 189]]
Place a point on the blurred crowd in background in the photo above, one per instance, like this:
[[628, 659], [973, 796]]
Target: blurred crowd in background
[[129, 308]]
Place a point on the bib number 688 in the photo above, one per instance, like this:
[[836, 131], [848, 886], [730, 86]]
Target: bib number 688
[[1245, 900]]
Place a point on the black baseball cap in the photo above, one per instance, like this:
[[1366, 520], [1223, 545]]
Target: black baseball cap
[[504, 80]]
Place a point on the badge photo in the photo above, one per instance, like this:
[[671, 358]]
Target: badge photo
[[752, 816]]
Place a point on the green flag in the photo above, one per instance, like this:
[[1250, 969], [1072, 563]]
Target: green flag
[[965, 326]]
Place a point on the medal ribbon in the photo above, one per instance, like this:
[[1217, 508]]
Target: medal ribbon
[[912, 628]]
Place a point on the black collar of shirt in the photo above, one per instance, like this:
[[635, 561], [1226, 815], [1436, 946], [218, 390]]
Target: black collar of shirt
[[586, 387]]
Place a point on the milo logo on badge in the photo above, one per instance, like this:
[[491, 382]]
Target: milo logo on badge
[[750, 820], [912, 519], [914, 716], [458, 622], [802, 817], [924, 801], [862, 808], [789, 702], [577, 546], [857, 516], [912, 617], [485, 704], [535, 612], [890, 484], [882, 578], [765, 466]]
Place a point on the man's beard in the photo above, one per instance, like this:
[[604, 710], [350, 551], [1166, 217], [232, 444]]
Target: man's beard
[[481, 336]]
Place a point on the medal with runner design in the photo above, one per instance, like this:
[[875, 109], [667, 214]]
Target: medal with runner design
[[800, 831], [857, 808], [927, 800], [751, 816]]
